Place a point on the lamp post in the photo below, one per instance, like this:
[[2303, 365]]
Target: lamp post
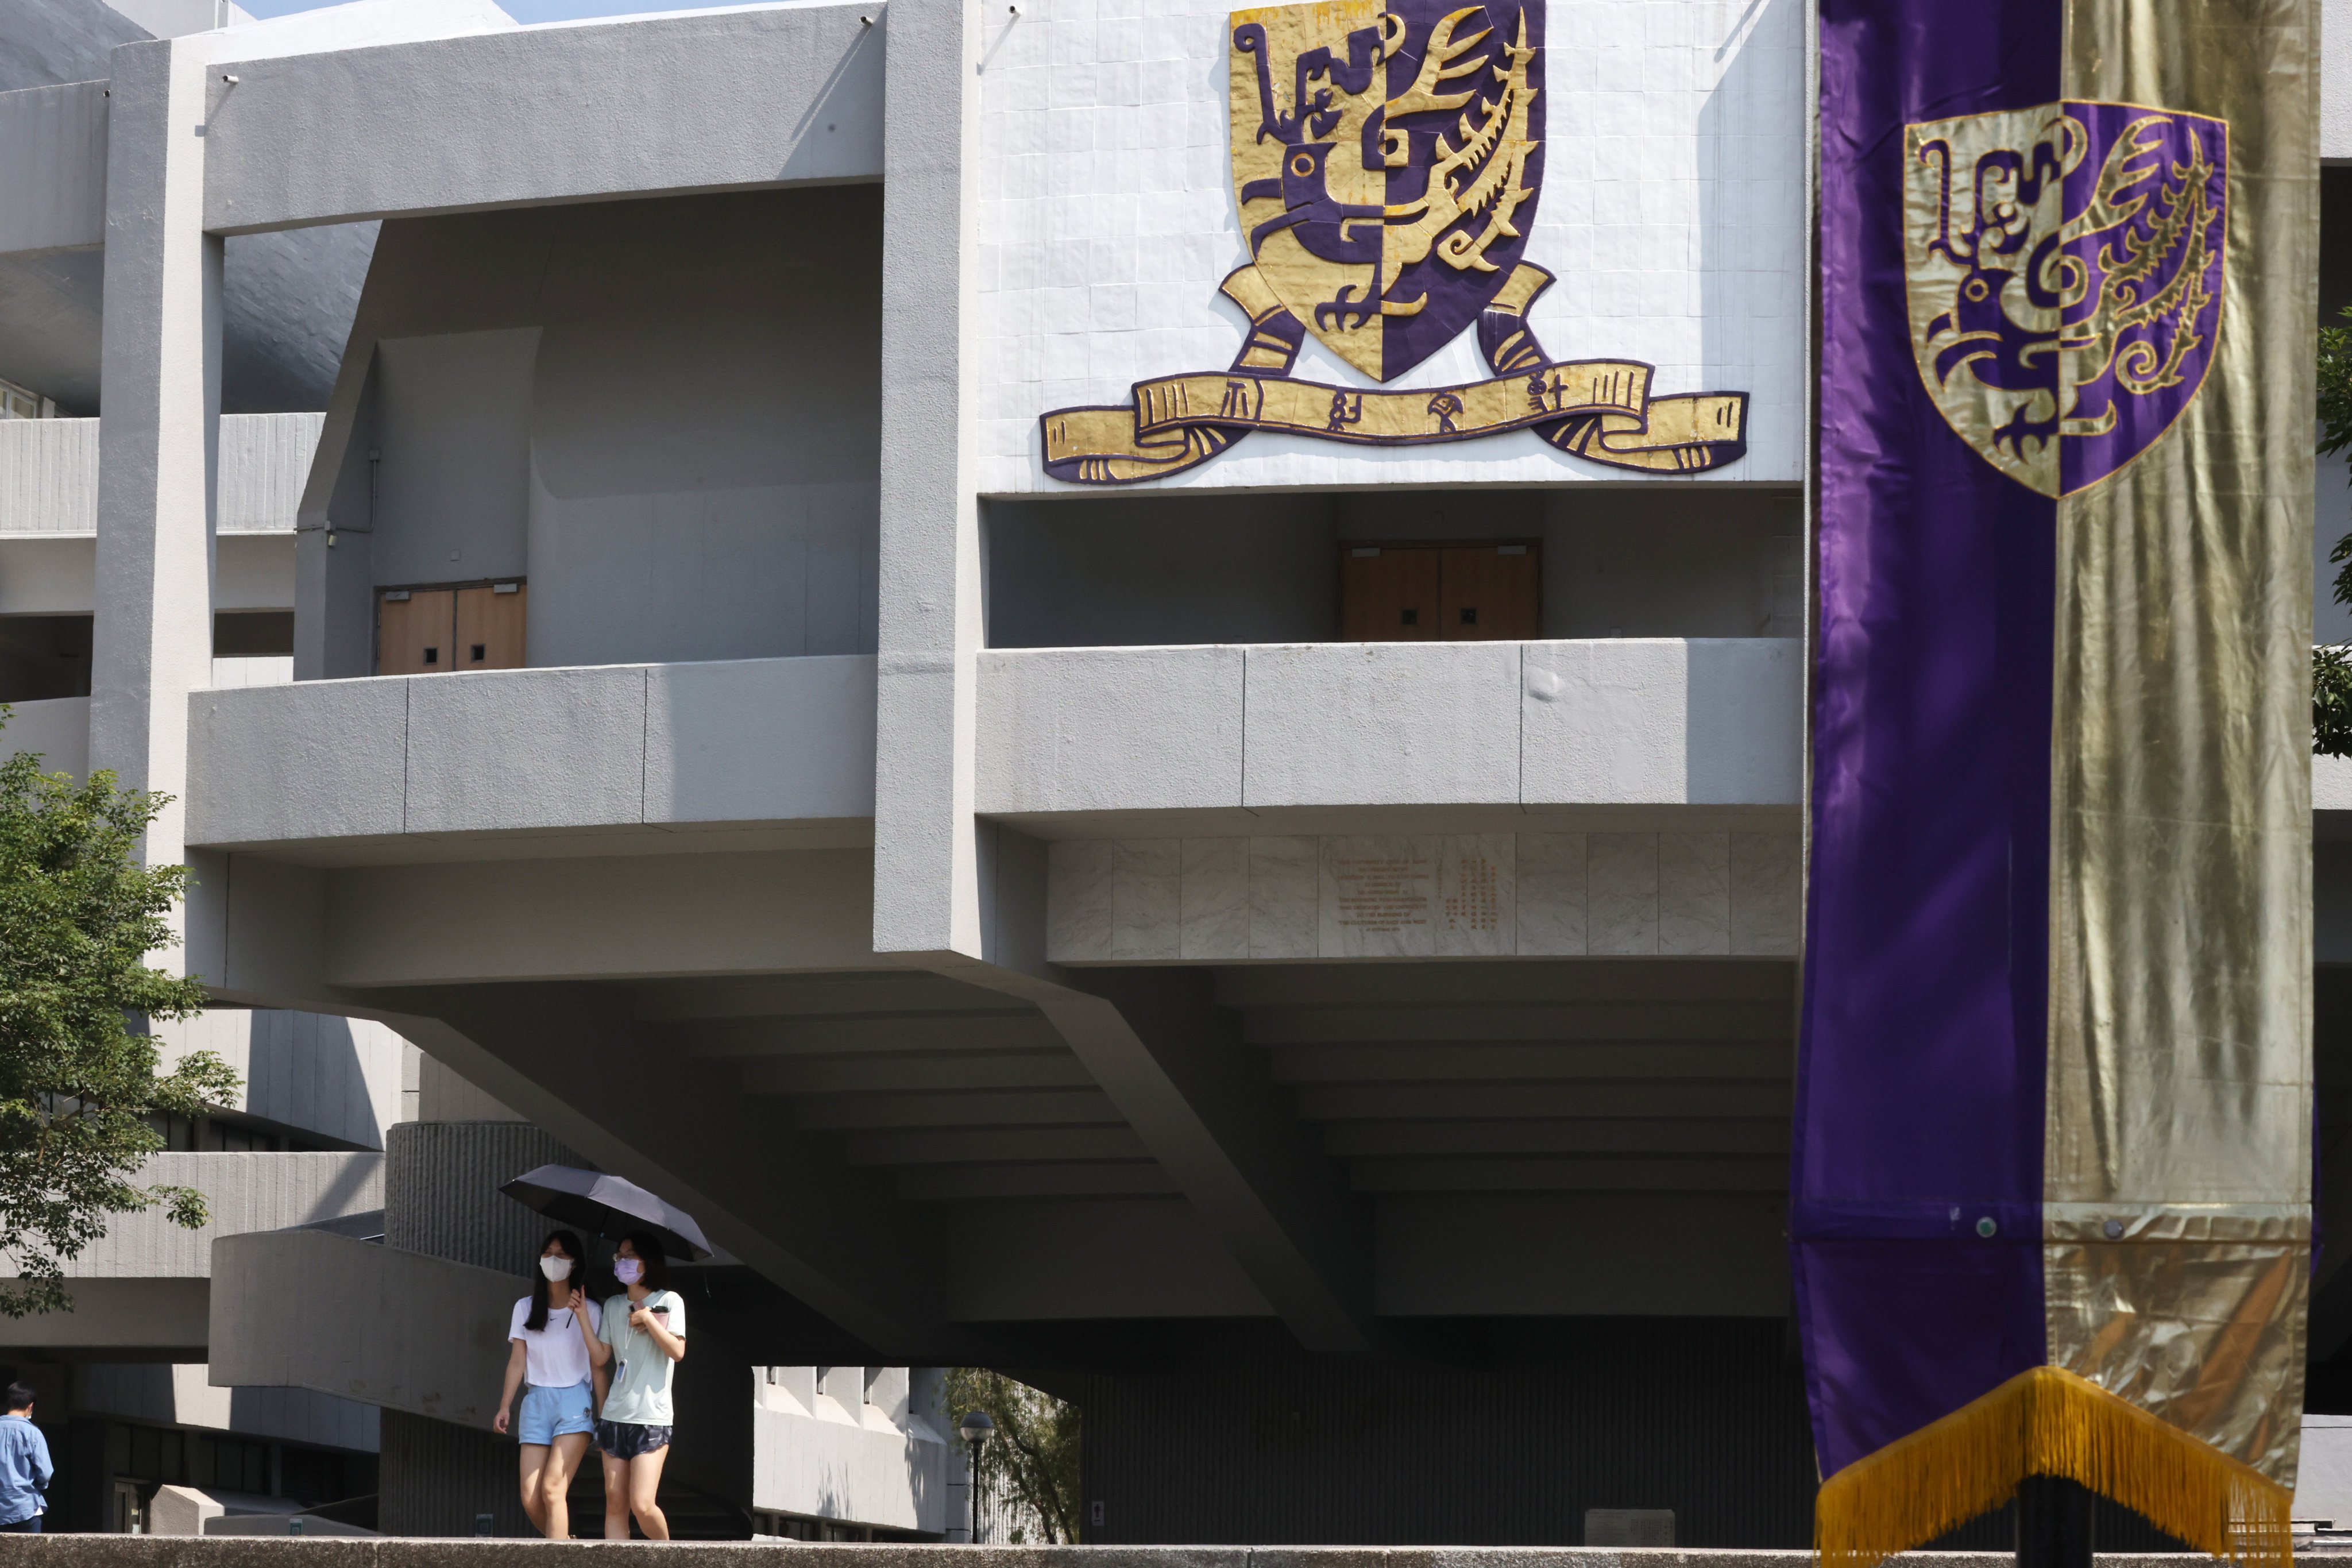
[[977, 1429]]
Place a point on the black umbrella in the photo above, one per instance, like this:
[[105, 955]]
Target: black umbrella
[[607, 1206]]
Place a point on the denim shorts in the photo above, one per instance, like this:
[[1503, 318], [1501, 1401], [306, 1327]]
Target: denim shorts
[[629, 1439], [551, 1413]]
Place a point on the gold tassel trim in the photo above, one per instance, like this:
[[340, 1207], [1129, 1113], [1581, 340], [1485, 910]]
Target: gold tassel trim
[[2049, 1422]]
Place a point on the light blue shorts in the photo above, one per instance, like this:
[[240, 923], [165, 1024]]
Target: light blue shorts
[[548, 1414]]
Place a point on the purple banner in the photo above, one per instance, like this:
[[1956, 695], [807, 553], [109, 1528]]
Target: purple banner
[[1916, 1175]]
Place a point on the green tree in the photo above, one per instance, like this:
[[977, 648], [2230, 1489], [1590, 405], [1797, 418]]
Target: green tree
[[2331, 667], [1032, 1460], [79, 1077]]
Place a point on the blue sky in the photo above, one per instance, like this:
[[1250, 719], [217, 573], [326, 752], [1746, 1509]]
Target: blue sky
[[520, 10]]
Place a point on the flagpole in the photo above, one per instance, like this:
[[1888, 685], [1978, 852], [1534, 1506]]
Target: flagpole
[[2054, 1523]]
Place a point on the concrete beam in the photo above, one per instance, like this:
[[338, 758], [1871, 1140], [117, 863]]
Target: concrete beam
[[655, 106], [161, 440], [875, 1072], [1203, 1101], [574, 1063], [927, 873], [952, 1032]]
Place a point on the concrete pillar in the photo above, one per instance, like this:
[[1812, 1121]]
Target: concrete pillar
[[160, 441], [927, 897]]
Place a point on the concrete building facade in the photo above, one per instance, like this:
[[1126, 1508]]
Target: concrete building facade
[[1296, 954]]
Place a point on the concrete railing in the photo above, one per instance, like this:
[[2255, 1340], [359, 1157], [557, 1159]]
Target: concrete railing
[[305, 1308], [771, 740], [56, 728], [246, 1193], [143, 1290], [48, 472], [1538, 725], [845, 1443]]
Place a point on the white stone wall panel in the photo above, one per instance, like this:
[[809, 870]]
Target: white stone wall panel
[[1392, 896], [1382, 723], [1672, 215]]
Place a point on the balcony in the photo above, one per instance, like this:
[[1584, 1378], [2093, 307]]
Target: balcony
[[145, 1285], [49, 473], [1621, 797], [407, 1331], [849, 1445], [431, 766], [1348, 736]]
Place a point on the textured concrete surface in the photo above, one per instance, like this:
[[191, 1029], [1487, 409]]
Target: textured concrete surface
[[52, 181], [528, 750], [1665, 722], [49, 473], [540, 114], [414, 1333], [927, 854], [287, 298], [152, 639], [245, 1192], [56, 728]]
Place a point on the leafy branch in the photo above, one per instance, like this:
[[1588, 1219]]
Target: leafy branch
[[1034, 1456], [79, 1075]]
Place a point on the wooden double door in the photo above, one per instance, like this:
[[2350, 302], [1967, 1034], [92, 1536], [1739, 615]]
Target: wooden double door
[[1440, 592], [432, 631]]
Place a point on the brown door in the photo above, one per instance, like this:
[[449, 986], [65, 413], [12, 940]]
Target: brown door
[[489, 626], [413, 631], [1487, 593], [1388, 595]]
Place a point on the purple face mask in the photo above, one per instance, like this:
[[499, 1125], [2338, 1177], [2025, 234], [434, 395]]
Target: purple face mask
[[629, 1270]]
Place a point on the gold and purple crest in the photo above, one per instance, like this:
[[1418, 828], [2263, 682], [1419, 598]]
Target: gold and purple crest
[[2065, 271], [1387, 159], [1386, 165]]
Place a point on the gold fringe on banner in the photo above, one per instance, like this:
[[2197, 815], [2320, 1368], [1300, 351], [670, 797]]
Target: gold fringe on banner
[[2049, 1422]]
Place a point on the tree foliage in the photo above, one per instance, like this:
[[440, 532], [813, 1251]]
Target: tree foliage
[[2331, 667], [1032, 1463], [79, 1077]]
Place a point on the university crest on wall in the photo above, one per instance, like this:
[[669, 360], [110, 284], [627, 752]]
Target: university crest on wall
[[1387, 161]]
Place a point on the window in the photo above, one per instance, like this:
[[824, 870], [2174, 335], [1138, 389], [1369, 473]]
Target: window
[[21, 403]]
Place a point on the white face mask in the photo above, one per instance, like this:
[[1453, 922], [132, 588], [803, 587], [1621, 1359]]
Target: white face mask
[[556, 1268], [629, 1270]]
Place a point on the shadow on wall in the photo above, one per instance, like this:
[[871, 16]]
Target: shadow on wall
[[673, 432], [336, 1076], [1650, 560], [1751, 201]]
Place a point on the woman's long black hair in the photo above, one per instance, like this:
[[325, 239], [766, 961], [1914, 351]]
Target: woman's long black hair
[[570, 1242], [649, 1253]]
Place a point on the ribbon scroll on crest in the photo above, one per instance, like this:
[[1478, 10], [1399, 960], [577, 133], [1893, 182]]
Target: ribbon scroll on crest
[[1599, 410]]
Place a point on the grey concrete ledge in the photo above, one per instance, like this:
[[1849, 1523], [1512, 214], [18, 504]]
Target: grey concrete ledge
[[251, 1551]]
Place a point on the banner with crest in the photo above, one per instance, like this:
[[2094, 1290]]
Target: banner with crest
[[1387, 160], [2050, 1207]]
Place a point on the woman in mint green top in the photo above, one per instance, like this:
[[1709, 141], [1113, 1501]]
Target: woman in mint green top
[[643, 1339]]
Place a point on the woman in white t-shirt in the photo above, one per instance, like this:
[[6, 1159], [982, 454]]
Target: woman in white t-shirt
[[552, 1329]]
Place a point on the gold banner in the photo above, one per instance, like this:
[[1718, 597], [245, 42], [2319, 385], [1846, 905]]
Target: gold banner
[[1599, 410], [2179, 1087]]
